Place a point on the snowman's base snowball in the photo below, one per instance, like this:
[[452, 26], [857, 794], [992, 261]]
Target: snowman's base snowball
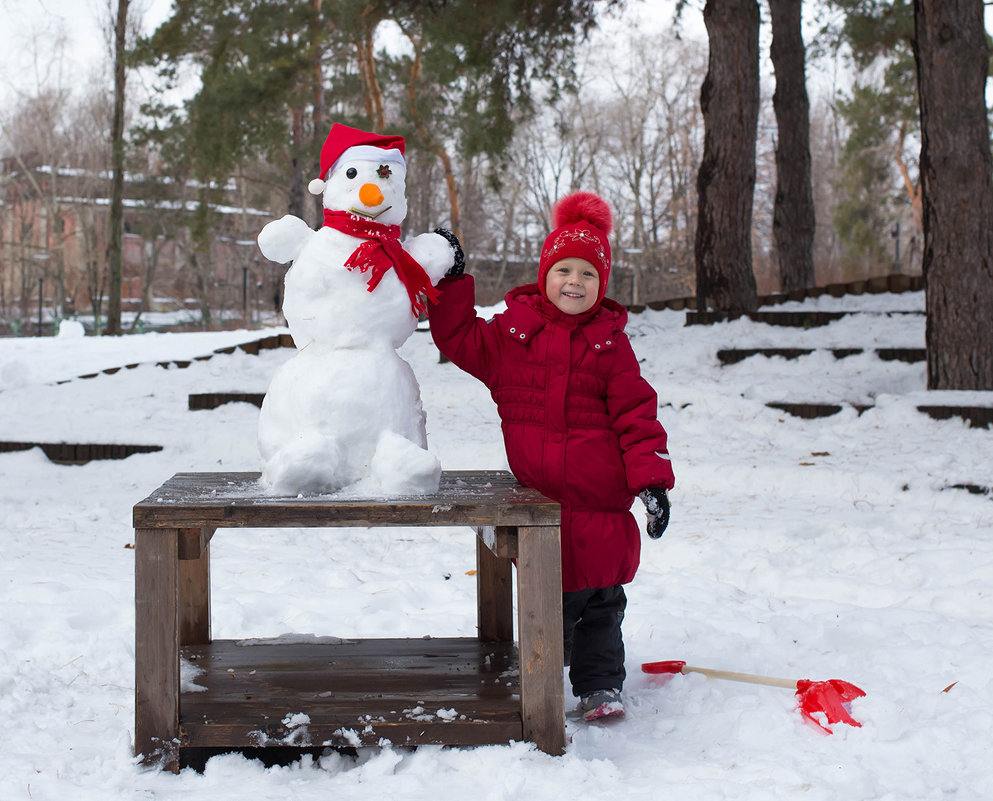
[[312, 464], [308, 464], [400, 467]]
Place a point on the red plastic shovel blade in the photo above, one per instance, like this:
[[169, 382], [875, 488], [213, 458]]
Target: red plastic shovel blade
[[833, 698], [671, 666]]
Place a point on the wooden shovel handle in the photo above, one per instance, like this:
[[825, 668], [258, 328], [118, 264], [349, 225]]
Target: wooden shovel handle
[[675, 666]]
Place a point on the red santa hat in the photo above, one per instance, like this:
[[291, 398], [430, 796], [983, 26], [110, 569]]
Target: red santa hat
[[581, 224], [352, 144]]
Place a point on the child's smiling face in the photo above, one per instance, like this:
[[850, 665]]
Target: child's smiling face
[[572, 285]]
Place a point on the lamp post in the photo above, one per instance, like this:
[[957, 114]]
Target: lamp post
[[244, 296], [895, 233], [634, 272], [41, 256]]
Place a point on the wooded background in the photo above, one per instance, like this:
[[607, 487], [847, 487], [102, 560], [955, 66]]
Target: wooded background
[[729, 177]]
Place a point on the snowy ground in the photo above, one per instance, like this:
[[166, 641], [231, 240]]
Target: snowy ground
[[817, 549]]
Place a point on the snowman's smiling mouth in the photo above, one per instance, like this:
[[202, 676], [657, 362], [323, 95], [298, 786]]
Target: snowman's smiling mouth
[[367, 215]]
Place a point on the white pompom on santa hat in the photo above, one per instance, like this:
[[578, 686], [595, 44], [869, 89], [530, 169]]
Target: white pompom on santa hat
[[352, 144]]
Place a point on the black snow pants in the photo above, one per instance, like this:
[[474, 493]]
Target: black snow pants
[[591, 631]]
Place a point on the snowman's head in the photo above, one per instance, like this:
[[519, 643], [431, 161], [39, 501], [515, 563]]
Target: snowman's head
[[375, 190], [363, 173]]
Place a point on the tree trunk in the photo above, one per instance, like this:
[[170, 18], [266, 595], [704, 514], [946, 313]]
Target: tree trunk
[[117, 183], [200, 255], [298, 162], [793, 211], [318, 113], [729, 100], [957, 179], [372, 93], [153, 250]]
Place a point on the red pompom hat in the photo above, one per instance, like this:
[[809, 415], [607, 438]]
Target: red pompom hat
[[356, 144], [581, 224]]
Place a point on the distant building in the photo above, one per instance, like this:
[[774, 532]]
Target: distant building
[[54, 229]]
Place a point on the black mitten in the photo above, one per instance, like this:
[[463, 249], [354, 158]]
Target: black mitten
[[656, 501], [459, 267]]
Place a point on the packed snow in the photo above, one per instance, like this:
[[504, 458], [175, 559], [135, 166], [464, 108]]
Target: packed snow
[[819, 549], [346, 410]]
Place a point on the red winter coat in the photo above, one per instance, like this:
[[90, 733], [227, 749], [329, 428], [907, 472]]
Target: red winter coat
[[579, 422]]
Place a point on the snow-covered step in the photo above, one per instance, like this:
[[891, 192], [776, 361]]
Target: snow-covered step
[[734, 355], [791, 319], [977, 416], [211, 400], [252, 347], [79, 453]]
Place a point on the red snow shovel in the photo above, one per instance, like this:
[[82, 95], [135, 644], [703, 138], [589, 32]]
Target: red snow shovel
[[833, 698]]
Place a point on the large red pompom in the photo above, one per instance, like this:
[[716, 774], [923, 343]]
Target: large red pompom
[[583, 206]]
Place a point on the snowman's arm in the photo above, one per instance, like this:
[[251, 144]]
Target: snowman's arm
[[458, 268], [433, 252], [283, 239]]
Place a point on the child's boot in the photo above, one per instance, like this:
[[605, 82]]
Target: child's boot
[[601, 704]]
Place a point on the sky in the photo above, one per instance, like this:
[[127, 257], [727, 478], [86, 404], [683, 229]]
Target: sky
[[67, 40], [52, 40], [61, 41]]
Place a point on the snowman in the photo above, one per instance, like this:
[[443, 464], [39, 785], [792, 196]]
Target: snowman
[[344, 413]]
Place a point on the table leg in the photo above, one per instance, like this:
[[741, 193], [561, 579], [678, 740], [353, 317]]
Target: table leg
[[156, 593], [194, 588], [539, 611], [494, 595]]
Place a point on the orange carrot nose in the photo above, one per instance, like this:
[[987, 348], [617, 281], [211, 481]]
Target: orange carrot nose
[[370, 195]]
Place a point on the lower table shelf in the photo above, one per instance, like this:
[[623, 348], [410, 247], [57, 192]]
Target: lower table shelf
[[316, 692]]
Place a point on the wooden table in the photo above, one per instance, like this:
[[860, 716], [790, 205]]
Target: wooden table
[[319, 691]]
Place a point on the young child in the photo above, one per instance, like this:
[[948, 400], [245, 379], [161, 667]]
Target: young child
[[579, 425]]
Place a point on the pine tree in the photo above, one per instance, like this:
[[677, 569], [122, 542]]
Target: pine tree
[[880, 177], [256, 64], [265, 68]]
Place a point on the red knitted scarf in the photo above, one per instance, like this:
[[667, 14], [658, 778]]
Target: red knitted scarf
[[381, 251]]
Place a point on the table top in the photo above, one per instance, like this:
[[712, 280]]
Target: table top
[[238, 500]]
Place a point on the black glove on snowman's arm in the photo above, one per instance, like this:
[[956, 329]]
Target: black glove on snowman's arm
[[656, 501], [459, 267]]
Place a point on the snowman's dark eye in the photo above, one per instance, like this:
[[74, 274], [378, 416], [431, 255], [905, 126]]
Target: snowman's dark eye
[[351, 172]]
